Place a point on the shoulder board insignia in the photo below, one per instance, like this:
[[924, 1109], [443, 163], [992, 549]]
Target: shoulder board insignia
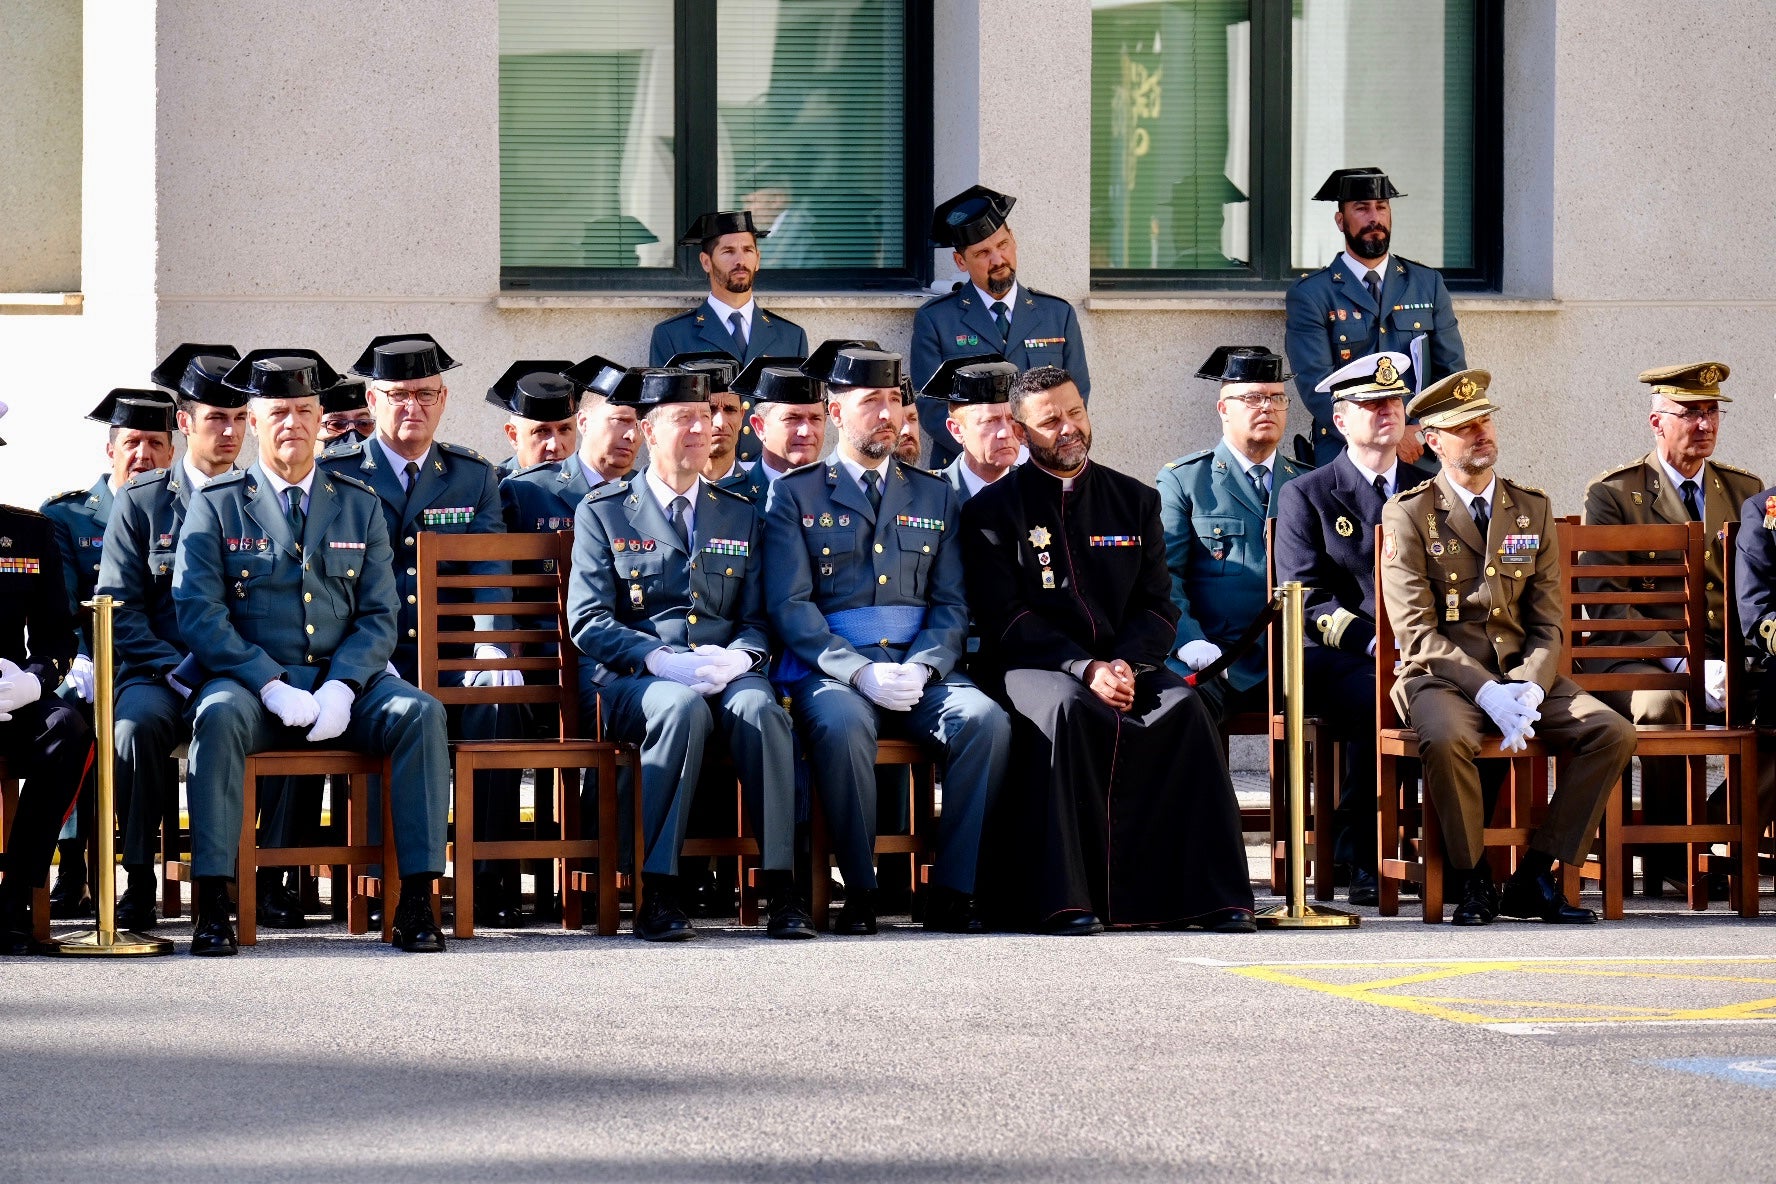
[[539, 467], [463, 450], [234, 477], [354, 482], [1422, 485], [69, 496], [1541, 493], [609, 489], [1736, 469]]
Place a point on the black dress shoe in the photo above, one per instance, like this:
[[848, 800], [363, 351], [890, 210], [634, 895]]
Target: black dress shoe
[[279, 906], [1479, 903], [662, 918], [858, 917], [1072, 923], [785, 918], [496, 905], [71, 898], [16, 937], [135, 908], [1229, 921], [415, 929], [1364, 891], [1539, 896], [949, 911], [212, 926]]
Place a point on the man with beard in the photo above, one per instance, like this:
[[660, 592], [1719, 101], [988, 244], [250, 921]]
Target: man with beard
[[909, 446], [535, 440], [1325, 538], [141, 440], [1366, 301], [1214, 505], [729, 320], [345, 414], [992, 312], [1678, 481], [141, 546], [788, 417], [1471, 582], [863, 581], [976, 391], [1123, 811]]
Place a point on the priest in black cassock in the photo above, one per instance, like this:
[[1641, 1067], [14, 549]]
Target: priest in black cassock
[[1117, 808]]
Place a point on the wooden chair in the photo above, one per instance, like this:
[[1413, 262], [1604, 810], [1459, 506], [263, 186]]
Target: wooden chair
[[919, 841], [1402, 820], [9, 796], [537, 623]]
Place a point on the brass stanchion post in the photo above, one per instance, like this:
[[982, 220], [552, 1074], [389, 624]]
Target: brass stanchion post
[[106, 941], [1297, 913]]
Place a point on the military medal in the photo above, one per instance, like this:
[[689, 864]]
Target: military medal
[[844, 520], [1455, 547], [1523, 522], [1040, 538], [826, 520], [1042, 558], [1770, 512], [826, 569], [647, 544], [1431, 525], [20, 565], [635, 595], [1636, 496], [1452, 606], [1048, 578], [1436, 548], [1343, 527], [807, 520], [619, 545]]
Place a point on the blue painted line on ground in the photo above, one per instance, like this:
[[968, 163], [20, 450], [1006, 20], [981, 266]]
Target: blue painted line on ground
[[1756, 1071]]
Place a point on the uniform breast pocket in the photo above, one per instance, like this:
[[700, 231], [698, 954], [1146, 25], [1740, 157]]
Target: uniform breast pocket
[[830, 557], [638, 584], [160, 568], [1045, 351], [1409, 323], [1459, 588], [720, 589], [1219, 539], [343, 569], [248, 583], [918, 550]]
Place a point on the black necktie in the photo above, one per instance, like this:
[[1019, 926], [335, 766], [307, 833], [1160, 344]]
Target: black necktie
[[870, 490], [1482, 517], [1381, 488], [293, 512], [1259, 475], [1691, 501], [738, 324], [1372, 281], [1002, 320], [679, 526], [412, 471]]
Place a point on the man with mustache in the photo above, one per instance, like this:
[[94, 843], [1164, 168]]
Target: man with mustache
[[729, 319], [1471, 581], [345, 414], [1119, 809], [1367, 300], [140, 423], [992, 312]]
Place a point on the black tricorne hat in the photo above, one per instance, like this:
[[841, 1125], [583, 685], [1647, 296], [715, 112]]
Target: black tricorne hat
[[402, 357], [596, 375], [171, 371], [708, 226], [1244, 363], [1364, 184], [285, 373], [345, 395], [137, 408], [819, 364], [196, 372], [501, 393], [943, 382], [969, 217], [721, 367], [660, 385], [777, 380]]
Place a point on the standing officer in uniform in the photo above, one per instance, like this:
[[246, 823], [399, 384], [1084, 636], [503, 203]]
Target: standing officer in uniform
[[1754, 584], [788, 418], [345, 414], [1471, 580], [727, 411], [1214, 505], [729, 320], [140, 441], [991, 313], [1367, 301], [1678, 481], [534, 441], [141, 545], [864, 585], [977, 393], [667, 599], [1325, 538], [284, 591], [45, 741]]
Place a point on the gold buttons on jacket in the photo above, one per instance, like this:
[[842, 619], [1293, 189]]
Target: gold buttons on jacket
[[409, 540], [730, 571], [881, 579], [1491, 571], [826, 550], [412, 633], [307, 596], [411, 599], [309, 628], [691, 619], [878, 548]]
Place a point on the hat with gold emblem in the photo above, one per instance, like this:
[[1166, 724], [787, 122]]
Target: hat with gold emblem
[[1696, 382], [1368, 378], [1452, 401]]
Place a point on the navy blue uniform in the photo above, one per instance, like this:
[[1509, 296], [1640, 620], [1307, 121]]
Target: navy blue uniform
[[697, 330]]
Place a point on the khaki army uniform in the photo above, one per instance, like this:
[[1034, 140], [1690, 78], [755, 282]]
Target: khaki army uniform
[[1468, 611]]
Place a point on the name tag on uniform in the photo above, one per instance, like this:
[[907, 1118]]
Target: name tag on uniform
[[20, 565], [727, 547], [447, 516], [341, 545], [1115, 540], [919, 523]]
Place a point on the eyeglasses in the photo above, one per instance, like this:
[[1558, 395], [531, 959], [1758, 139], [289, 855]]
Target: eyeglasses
[[1696, 415], [1261, 402], [348, 423], [425, 398]]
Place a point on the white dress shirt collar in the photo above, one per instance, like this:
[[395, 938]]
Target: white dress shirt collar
[[1245, 462], [856, 470], [1484, 495], [724, 313], [1379, 267], [397, 462], [1391, 477], [664, 495], [1677, 479], [195, 480], [1009, 300], [278, 485], [764, 466]]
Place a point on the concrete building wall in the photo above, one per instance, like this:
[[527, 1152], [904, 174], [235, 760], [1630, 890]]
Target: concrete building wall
[[324, 170], [40, 145]]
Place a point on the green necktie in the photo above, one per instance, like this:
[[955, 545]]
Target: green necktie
[[871, 490]]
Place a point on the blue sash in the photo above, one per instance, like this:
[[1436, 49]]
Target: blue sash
[[870, 625]]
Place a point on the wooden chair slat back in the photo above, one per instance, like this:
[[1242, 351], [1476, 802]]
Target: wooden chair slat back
[[1597, 617]]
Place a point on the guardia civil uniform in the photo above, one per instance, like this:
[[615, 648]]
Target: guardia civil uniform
[[764, 381], [849, 582], [1332, 318], [538, 400], [1032, 329], [1470, 609], [708, 327], [1214, 516], [966, 381]]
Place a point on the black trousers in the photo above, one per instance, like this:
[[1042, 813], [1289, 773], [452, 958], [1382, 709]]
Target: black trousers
[[50, 746]]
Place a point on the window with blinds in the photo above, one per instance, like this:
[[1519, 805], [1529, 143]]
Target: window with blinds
[[621, 121]]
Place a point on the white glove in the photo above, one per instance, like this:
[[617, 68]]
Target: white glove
[[296, 708], [391, 669], [495, 678], [1370, 648], [1715, 676], [17, 688], [80, 677], [1508, 715], [335, 702], [723, 664], [1198, 654], [686, 668], [1529, 696], [892, 686]]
